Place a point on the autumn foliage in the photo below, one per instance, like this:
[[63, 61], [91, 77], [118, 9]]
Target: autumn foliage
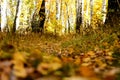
[[51, 57]]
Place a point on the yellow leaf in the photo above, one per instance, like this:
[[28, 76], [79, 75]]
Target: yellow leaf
[[102, 65], [91, 53], [77, 61], [19, 71], [55, 66], [85, 71], [4, 76], [18, 61], [43, 68], [87, 59], [19, 57], [75, 78]]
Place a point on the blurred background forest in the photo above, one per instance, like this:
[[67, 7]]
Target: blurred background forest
[[57, 16], [60, 40]]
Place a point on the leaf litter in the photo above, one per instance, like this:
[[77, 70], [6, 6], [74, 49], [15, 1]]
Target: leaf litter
[[59, 59]]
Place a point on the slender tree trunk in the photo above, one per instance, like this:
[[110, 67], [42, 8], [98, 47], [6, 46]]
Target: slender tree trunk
[[0, 17], [47, 10], [104, 9], [68, 21], [58, 9], [83, 25], [57, 12], [62, 18], [3, 15], [78, 15], [17, 15], [87, 23], [118, 2], [32, 14], [42, 16], [91, 10]]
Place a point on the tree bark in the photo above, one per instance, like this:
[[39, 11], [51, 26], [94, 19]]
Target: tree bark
[[0, 18], [91, 10], [47, 10], [57, 13], [104, 10], [113, 17], [68, 21], [87, 23], [42, 16], [58, 9], [17, 15], [3, 15], [78, 15]]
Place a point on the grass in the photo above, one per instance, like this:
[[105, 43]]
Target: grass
[[102, 39], [45, 48]]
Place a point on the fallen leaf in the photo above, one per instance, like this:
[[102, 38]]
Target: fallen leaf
[[18, 61], [4, 76], [19, 57], [49, 78], [85, 71], [55, 66], [75, 78], [109, 77], [43, 68], [77, 61], [91, 53], [87, 59]]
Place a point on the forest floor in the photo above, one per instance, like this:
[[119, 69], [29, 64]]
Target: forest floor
[[94, 56]]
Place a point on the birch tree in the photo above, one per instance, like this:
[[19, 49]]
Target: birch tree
[[42, 16], [58, 9], [0, 17], [67, 24], [87, 22], [58, 6], [47, 10], [91, 10], [3, 15], [17, 15], [62, 16], [78, 15], [68, 19], [72, 16], [83, 14]]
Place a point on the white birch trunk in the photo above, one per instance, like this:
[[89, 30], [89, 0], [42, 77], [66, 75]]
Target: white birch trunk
[[62, 18], [47, 10], [87, 14], [57, 12], [67, 20], [3, 15], [71, 18], [58, 9], [66, 26], [91, 10], [104, 9], [18, 15], [32, 13], [83, 25]]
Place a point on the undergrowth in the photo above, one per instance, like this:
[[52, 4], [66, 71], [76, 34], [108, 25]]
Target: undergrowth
[[94, 49]]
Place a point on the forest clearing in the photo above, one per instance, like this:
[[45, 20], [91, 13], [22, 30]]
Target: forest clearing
[[60, 40]]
